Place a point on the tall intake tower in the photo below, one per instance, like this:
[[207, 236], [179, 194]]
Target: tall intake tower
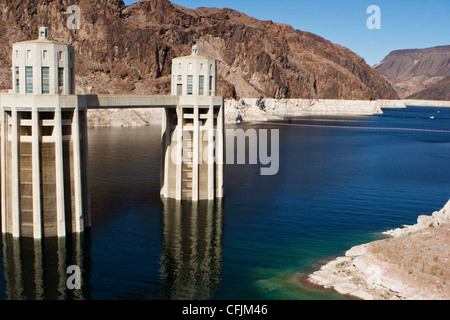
[[193, 133], [43, 144]]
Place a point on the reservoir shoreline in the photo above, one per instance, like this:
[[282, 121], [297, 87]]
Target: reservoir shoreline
[[252, 109], [427, 103], [412, 263]]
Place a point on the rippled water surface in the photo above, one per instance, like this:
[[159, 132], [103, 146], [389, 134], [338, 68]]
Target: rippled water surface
[[338, 186]]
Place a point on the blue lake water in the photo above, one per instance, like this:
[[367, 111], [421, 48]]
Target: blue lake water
[[336, 188]]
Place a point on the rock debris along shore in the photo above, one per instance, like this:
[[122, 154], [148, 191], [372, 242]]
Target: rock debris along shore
[[412, 264], [249, 109]]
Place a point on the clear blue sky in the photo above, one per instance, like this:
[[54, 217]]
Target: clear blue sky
[[405, 24]]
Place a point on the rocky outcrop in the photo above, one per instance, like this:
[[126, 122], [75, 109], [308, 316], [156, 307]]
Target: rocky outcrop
[[437, 91], [413, 264], [128, 49], [424, 222], [415, 70]]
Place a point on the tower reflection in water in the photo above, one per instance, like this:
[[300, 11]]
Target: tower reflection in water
[[37, 269], [191, 258]]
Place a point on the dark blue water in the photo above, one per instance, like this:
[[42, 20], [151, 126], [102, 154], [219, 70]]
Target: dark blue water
[[336, 188]]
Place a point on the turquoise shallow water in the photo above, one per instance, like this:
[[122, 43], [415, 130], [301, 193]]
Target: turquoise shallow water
[[336, 188]]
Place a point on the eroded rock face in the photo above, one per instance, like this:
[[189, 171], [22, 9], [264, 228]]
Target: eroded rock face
[[437, 91], [122, 49], [418, 73]]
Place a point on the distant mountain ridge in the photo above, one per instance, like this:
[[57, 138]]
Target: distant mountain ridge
[[412, 70], [128, 49]]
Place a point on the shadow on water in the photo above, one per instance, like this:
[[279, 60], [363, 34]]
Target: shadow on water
[[37, 269], [191, 256]]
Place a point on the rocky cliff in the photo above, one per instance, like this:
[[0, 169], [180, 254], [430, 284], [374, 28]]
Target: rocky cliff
[[437, 91], [411, 71], [128, 49]]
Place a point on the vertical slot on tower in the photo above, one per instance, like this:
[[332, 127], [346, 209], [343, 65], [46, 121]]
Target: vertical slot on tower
[[25, 176]]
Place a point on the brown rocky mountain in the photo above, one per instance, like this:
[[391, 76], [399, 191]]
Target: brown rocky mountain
[[128, 49], [437, 91], [411, 71]]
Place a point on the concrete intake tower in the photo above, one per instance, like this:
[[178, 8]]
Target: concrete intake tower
[[44, 142]]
